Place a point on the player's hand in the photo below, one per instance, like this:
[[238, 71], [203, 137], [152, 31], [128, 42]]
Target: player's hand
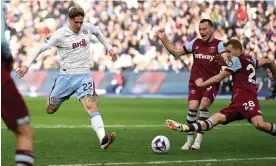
[[198, 82], [21, 71], [161, 33], [113, 55]]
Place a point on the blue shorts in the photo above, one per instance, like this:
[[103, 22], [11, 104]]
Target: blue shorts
[[67, 85]]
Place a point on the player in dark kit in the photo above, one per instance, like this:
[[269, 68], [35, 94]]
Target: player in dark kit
[[13, 109], [204, 50], [245, 104]]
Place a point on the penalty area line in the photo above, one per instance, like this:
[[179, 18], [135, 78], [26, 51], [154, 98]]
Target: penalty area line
[[172, 162]]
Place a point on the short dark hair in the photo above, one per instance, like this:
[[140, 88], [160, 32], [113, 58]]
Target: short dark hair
[[210, 22], [75, 11], [236, 44]]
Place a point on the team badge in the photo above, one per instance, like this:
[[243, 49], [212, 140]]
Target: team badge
[[53, 99], [192, 92], [229, 63], [212, 49], [85, 31]]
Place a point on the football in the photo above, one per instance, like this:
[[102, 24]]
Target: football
[[160, 144]]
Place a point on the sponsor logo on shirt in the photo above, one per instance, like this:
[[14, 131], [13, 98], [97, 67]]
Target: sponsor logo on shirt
[[202, 56], [81, 43]]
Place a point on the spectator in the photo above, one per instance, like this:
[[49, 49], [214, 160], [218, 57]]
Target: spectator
[[117, 83], [131, 27]]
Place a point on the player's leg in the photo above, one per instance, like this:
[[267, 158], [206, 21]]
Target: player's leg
[[191, 118], [203, 115], [225, 116], [61, 91], [208, 97], [193, 101], [208, 124], [52, 108], [261, 125], [15, 114], [251, 110], [24, 148], [87, 96]]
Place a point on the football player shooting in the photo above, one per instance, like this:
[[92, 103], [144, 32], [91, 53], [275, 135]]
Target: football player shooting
[[73, 47], [205, 50], [14, 111], [245, 104]]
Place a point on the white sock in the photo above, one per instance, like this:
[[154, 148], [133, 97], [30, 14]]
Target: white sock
[[97, 124], [199, 137], [190, 138]]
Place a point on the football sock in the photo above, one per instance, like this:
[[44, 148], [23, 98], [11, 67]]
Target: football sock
[[203, 115], [273, 129], [191, 118], [24, 158], [198, 125], [97, 124]]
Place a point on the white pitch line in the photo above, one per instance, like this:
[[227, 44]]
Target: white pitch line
[[46, 126], [171, 162]]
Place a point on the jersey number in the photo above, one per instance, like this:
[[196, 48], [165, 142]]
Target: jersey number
[[87, 86], [248, 105], [251, 68]]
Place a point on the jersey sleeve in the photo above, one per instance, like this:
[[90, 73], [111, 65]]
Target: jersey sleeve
[[234, 65], [49, 42], [188, 48], [221, 47], [52, 40], [100, 36]]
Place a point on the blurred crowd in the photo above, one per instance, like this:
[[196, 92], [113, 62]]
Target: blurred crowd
[[131, 27]]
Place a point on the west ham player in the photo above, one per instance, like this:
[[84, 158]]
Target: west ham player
[[204, 50], [13, 109], [72, 45], [245, 104]]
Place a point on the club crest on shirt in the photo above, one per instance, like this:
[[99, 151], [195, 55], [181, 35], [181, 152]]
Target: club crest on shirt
[[229, 63], [192, 92], [85, 31], [212, 49]]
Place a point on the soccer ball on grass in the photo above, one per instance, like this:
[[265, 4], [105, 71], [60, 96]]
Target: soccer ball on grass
[[160, 144]]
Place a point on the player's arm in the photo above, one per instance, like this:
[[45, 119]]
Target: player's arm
[[270, 64], [222, 59], [169, 46], [48, 43], [98, 33], [231, 68], [213, 80]]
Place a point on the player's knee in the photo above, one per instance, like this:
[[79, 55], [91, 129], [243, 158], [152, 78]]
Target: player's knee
[[52, 108], [205, 104], [218, 118], [25, 131], [91, 104], [193, 105], [259, 126]]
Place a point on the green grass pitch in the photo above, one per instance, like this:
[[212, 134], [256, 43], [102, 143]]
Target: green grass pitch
[[66, 138]]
